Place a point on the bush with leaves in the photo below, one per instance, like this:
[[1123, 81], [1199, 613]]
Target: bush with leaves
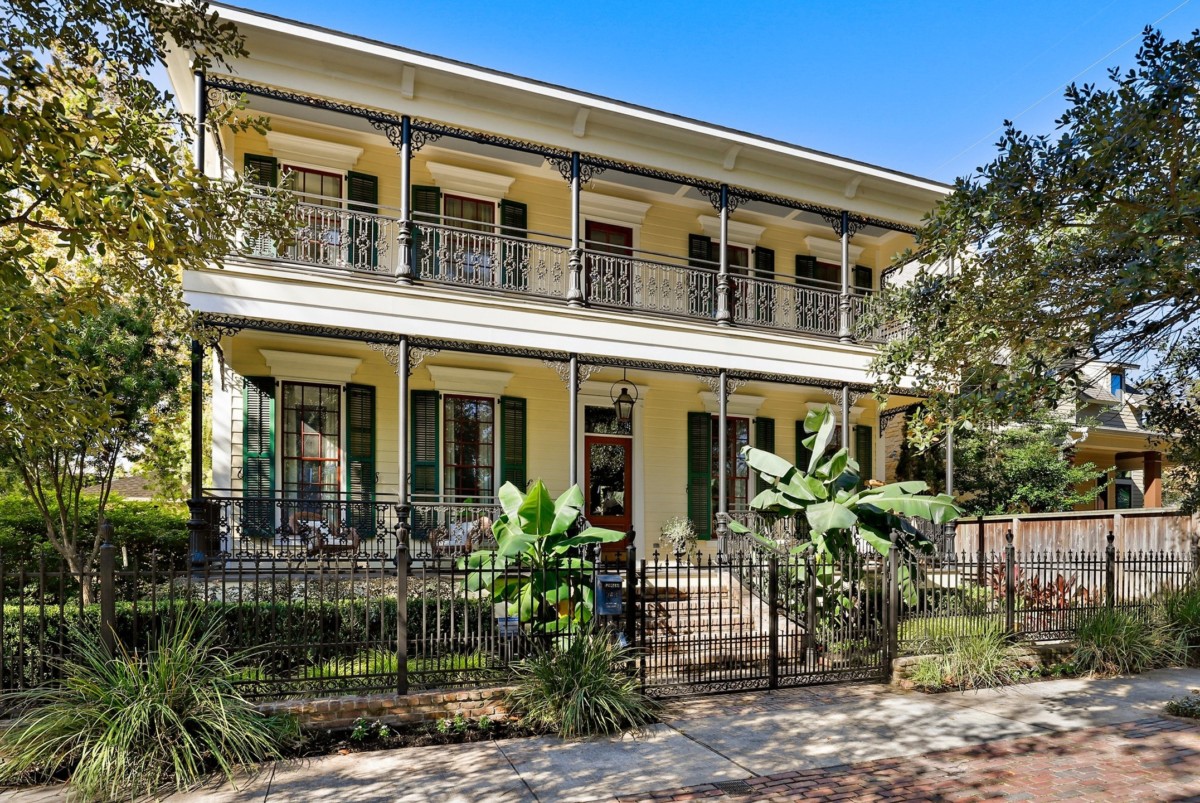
[[536, 568], [137, 724], [974, 660], [581, 689], [1117, 642], [1179, 610]]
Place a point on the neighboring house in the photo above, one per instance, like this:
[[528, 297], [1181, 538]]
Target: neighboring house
[[1109, 411], [131, 488], [482, 265]]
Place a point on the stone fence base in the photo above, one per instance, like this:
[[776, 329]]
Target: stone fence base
[[341, 712]]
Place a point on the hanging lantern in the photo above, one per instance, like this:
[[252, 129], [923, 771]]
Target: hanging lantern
[[623, 400]]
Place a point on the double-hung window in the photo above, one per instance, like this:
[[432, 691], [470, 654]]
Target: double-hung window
[[473, 223], [469, 448]]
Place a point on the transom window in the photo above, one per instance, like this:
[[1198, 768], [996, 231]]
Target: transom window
[[312, 419], [602, 420], [469, 447], [737, 472]]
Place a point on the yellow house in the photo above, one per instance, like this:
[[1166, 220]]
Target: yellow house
[[492, 279]]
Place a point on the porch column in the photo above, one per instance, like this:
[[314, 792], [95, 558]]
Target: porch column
[[575, 293], [200, 138], [404, 270], [724, 316], [402, 372], [1152, 479], [844, 332], [573, 414], [722, 453], [197, 520], [845, 415]]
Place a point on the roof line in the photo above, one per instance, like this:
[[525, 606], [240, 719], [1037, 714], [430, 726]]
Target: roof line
[[575, 95]]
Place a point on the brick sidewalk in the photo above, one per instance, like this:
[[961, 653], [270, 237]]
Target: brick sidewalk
[[1152, 759]]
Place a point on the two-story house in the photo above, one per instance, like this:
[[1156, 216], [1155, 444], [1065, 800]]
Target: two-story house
[[492, 279]]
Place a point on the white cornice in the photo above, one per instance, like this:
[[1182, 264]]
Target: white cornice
[[316, 367], [289, 147], [447, 379], [452, 178], [622, 210], [739, 404], [739, 232], [831, 250]]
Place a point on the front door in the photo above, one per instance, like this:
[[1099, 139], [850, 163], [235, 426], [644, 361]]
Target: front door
[[609, 479]]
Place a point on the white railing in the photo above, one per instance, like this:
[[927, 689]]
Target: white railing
[[332, 237], [781, 305]]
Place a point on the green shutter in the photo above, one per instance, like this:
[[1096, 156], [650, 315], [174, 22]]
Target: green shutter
[[260, 169], [700, 256], [764, 263], [512, 441], [360, 459], [699, 473], [764, 438], [803, 453], [864, 278], [362, 195], [864, 446], [514, 257], [425, 432], [426, 208], [258, 456], [806, 266]]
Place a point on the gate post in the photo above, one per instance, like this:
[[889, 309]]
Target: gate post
[[773, 622], [402, 618], [108, 590], [1010, 584], [810, 612], [631, 595], [1110, 572], [891, 616], [981, 555]]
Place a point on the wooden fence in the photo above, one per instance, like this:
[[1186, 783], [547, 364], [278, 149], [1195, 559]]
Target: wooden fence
[[1136, 530]]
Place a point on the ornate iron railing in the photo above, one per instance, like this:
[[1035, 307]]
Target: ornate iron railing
[[782, 305], [333, 237], [626, 282], [484, 260], [448, 530]]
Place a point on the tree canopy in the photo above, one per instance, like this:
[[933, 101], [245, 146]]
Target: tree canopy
[[1065, 248]]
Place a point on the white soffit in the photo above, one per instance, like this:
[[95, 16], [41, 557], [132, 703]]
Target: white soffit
[[622, 210], [448, 379], [452, 178], [739, 404], [317, 367], [291, 148], [739, 232], [831, 250]]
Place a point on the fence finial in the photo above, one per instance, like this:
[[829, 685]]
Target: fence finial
[[1008, 537], [106, 531], [1112, 537]]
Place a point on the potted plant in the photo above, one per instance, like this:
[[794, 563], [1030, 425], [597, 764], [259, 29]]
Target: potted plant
[[680, 534]]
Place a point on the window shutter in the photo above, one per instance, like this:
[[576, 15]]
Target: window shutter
[[512, 441], [700, 253], [514, 256], [258, 456], [426, 208], [362, 195], [764, 263], [764, 438], [864, 278], [806, 266], [425, 442], [699, 473], [803, 453], [260, 169], [864, 452], [360, 459]]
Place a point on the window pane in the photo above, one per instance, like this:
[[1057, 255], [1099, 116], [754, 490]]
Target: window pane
[[468, 447], [603, 421]]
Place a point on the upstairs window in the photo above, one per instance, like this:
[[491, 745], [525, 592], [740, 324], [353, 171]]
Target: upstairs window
[[1116, 383]]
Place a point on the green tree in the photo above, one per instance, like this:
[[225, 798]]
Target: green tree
[[131, 374], [1173, 410], [1066, 247]]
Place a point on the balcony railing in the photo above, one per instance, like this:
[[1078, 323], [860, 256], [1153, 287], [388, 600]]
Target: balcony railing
[[478, 256]]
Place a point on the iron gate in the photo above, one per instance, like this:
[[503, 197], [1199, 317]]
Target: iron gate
[[759, 620]]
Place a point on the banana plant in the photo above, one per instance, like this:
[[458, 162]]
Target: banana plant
[[829, 495], [536, 568]]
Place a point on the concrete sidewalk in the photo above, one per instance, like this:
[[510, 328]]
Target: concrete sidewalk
[[711, 740]]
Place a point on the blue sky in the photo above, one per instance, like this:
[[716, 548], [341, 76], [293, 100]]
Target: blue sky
[[918, 87]]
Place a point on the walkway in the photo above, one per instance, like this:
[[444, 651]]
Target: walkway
[[1087, 739]]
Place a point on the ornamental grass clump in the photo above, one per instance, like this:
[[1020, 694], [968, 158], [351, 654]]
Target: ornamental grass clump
[[581, 688], [977, 660], [133, 725], [1180, 613], [1116, 642]]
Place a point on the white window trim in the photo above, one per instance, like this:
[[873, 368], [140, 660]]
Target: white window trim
[[305, 151], [495, 398], [470, 183]]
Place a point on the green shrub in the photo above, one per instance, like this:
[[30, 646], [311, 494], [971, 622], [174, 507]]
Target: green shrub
[[976, 661], [1116, 642], [133, 725], [1180, 612], [937, 634], [581, 689]]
